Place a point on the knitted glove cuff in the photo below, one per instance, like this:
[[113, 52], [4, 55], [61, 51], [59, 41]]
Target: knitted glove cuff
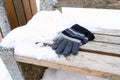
[[84, 31], [72, 34]]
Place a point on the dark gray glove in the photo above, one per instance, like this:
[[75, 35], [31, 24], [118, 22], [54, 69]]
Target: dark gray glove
[[71, 39]]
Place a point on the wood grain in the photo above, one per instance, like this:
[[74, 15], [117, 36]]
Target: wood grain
[[84, 62], [11, 13], [70, 3], [20, 12], [107, 39], [33, 6], [27, 9], [108, 32]]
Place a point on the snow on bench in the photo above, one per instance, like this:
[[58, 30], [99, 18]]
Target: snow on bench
[[100, 57]]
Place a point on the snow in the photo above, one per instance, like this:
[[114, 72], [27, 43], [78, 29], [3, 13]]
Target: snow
[[45, 25], [89, 17], [23, 38], [54, 74], [38, 5], [4, 74]]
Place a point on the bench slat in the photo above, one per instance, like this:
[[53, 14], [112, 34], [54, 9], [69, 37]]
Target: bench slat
[[107, 39], [103, 48], [108, 32], [100, 57], [84, 62]]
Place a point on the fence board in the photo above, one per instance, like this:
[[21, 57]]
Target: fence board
[[27, 9], [33, 6], [11, 13], [20, 12]]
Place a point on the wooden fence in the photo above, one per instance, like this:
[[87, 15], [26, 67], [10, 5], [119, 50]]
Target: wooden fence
[[20, 11]]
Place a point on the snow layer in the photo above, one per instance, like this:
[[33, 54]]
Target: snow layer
[[42, 28], [91, 18], [53, 74]]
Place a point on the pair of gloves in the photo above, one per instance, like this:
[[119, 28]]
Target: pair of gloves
[[69, 40]]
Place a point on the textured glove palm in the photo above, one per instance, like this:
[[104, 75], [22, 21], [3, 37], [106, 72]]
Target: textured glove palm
[[69, 40]]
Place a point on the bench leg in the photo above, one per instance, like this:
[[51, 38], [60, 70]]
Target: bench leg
[[10, 63]]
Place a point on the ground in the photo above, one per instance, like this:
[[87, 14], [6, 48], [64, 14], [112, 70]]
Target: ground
[[33, 72]]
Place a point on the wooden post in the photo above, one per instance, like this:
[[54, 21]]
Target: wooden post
[[4, 24], [7, 54]]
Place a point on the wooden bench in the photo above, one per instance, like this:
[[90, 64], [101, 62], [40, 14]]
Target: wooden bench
[[100, 57]]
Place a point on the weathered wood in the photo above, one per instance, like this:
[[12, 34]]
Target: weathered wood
[[108, 32], [84, 62], [107, 39], [103, 48], [27, 9], [33, 6], [10, 63], [20, 12], [109, 4], [5, 54], [100, 57], [70, 3], [9, 6]]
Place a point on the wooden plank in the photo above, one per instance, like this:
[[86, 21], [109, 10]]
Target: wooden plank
[[87, 63], [108, 32], [102, 48], [70, 3], [27, 9], [107, 39], [20, 12], [33, 6], [103, 44], [11, 13]]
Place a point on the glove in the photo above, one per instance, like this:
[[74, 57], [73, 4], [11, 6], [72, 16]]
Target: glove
[[69, 40]]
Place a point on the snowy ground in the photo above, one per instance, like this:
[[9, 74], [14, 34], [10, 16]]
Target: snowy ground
[[53, 74], [23, 39]]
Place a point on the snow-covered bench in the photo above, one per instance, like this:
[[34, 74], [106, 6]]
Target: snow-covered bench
[[100, 57]]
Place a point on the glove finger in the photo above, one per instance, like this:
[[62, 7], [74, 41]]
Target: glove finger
[[75, 48], [61, 46], [68, 48], [55, 44]]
